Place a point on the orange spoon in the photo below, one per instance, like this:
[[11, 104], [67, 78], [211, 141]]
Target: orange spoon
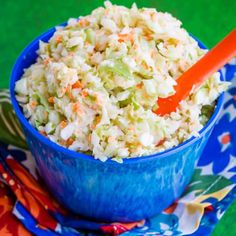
[[198, 73]]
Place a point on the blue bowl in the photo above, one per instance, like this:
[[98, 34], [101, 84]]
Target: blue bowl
[[137, 189]]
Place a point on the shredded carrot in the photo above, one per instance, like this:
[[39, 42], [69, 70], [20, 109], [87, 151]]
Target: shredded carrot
[[70, 94], [146, 66], [76, 107], [97, 120], [160, 142], [63, 124], [83, 22], [96, 47], [131, 128], [131, 38], [136, 46], [59, 39], [139, 86], [84, 93], [149, 37], [94, 107], [69, 141], [62, 142], [46, 61], [67, 89], [124, 37], [33, 104], [51, 99], [92, 126], [139, 145], [77, 84], [63, 90], [43, 133], [121, 40]]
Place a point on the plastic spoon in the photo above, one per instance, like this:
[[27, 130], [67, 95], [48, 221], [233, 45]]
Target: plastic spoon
[[194, 77]]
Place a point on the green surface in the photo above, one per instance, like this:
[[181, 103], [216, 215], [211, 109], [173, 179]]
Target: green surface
[[21, 21]]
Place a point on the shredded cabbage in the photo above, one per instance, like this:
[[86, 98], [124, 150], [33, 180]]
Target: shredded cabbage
[[96, 83]]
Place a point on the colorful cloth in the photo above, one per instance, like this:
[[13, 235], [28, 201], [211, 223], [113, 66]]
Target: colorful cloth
[[26, 207]]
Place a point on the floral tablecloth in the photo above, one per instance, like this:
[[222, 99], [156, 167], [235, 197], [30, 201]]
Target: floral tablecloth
[[27, 208]]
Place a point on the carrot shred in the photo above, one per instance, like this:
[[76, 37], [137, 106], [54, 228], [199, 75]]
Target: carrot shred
[[160, 142], [77, 84], [83, 22], [51, 99], [149, 37], [96, 122], [131, 128], [76, 107], [123, 37], [145, 66], [139, 86], [62, 142], [59, 39], [70, 94], [33, 104], [63, 124], [84, 93], [92, 126], [46, 61], [69, 141], [43, 133], [121, 40]]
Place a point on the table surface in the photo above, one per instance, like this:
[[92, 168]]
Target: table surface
[[21, 21]]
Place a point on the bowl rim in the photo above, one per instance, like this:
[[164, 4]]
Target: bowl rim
[[74, 154]]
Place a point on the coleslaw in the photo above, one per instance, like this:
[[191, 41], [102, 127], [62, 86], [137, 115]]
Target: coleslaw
[[96, 83]]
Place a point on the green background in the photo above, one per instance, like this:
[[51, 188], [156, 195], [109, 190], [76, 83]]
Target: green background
[[21, 21]]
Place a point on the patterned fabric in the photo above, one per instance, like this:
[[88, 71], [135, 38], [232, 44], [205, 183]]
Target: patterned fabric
[[26, 208]]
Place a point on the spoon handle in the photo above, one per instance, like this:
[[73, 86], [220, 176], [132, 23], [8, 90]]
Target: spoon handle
[[194, 77]]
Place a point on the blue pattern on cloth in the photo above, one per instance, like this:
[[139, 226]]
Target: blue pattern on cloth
[[217, 165]]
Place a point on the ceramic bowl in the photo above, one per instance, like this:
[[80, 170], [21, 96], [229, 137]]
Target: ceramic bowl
[[108, 191]]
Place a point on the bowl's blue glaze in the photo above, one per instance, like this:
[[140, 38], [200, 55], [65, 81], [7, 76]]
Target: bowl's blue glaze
[[136, 189]]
